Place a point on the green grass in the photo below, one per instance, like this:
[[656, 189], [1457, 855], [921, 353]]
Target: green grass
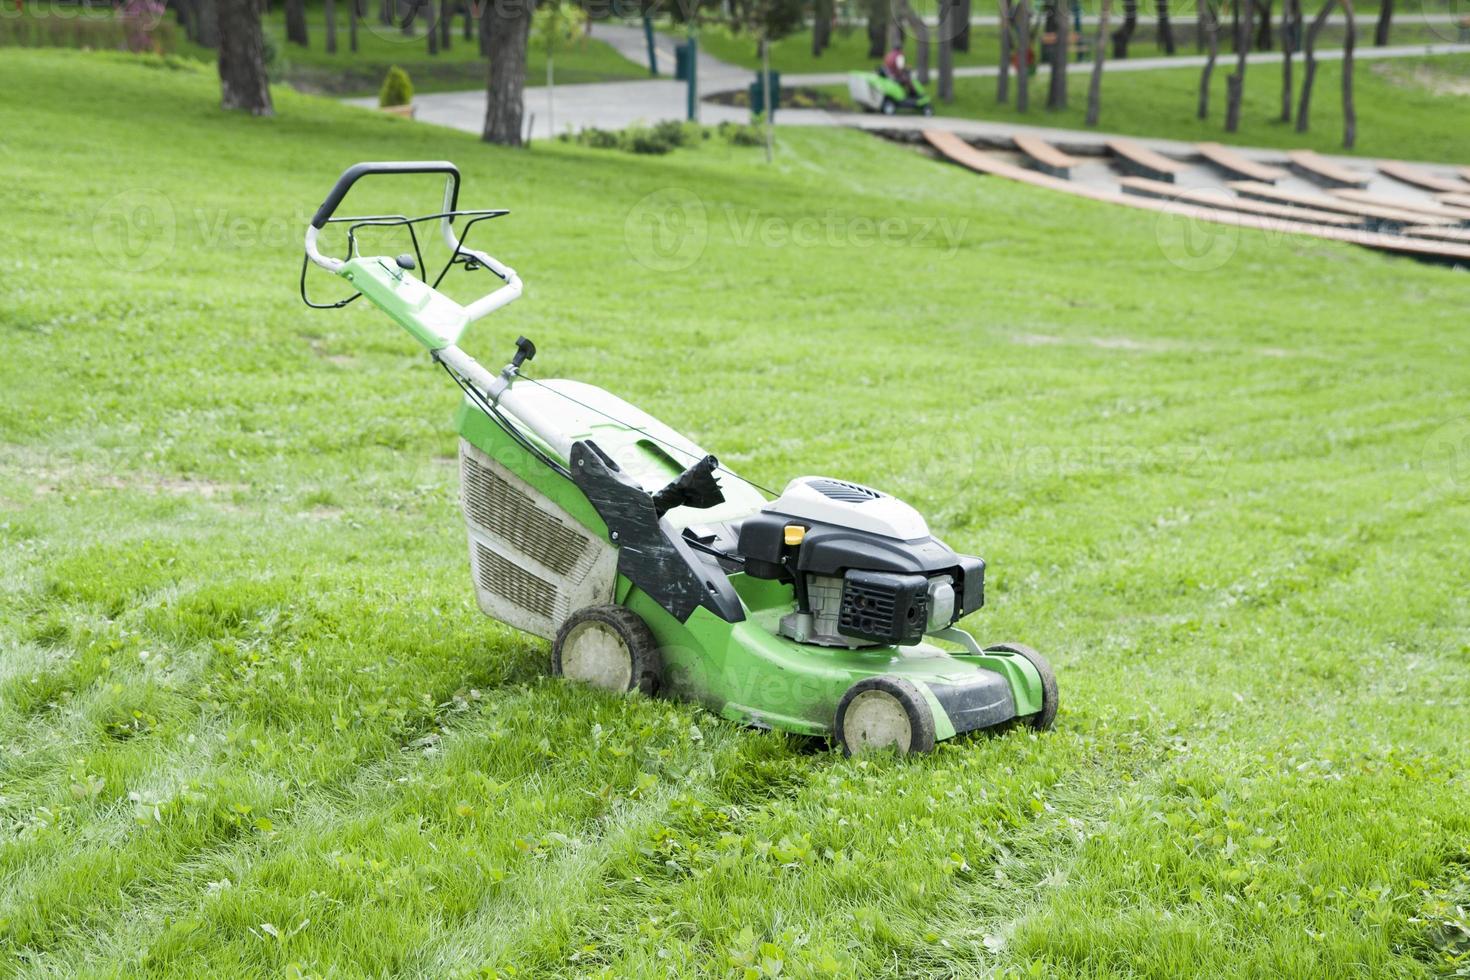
[[1400, 114], [254, 726]]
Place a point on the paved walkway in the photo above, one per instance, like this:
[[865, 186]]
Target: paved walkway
[[614, 105]]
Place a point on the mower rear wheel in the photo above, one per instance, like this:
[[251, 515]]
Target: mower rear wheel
[[608, 647], [1047, 716], [882, 712], [889, 107]]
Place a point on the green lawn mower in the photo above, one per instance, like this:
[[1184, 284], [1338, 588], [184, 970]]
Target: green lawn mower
[[876, 92], [652, 568]]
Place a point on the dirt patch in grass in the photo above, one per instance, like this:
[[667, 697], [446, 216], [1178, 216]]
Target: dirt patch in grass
[[1425, 77]]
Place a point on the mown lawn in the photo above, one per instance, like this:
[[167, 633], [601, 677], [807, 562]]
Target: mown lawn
[[1407, 108], [252, 723]]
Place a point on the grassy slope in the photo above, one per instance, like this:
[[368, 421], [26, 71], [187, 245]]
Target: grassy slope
[[252, 719], [1397, 117]]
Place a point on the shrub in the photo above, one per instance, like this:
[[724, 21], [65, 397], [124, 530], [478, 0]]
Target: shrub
[[397, 89], [637, 139], [599, 139], [742, 135]]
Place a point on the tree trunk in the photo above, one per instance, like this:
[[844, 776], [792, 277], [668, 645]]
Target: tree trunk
[[353, 14], [1385, 22], [242, 80], [877, 28], [431, 33], [446, 25], [1264, 40], [329, 11], [482, 14], [920, 30], [1235, 83], [1023, 72], [1234, 26], [468, 34], [1056, 93], [206, 24], [1124, 34], [1003, 74], [296, 22], [821, 26], [385, 12], [1288, 44], [1309, 74], [1210, 25], [407, 11], [1099, 47], [962, 26], [509, 25], [1349, 111], [766, 94], [1166, 29], [947, 14]]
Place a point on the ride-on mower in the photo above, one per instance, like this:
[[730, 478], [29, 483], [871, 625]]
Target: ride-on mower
[[876, 92], [653, 568]]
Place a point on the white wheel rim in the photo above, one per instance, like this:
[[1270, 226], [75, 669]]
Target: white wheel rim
[[875, 720], [593, 653]]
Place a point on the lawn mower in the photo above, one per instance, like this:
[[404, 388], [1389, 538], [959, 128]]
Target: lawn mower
[[652, 568], [876, 92]]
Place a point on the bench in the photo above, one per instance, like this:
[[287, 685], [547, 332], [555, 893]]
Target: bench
[[1370, 214], [1456, 200], [1413, 176], [1217, 197], [1238, 166], [1140, 161], [1464, 173], [1461, 235], [1045, 157], [1423, 207], [1320, 170]]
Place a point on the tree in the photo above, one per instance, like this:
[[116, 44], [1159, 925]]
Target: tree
[[508, 23], [242, 79], [556, 23], [877, 28], [1003, 75], [329, 11], [446, 24], [1264, 40], [1166, 29], [1209, 23], [296, 22], [1023, 65], [1349, 111], [947, 14], [1099, 47], [915, 24], [1235, 82], [1290, 15], [1309, 74], [354, 14], [1124, 34], [961, 16], [1056, 93], [1385, 22], [821, 26]]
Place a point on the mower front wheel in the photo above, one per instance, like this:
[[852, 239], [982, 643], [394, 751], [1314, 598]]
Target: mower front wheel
[[889, 107], [883, 712], [608, 647], [1047, 716]]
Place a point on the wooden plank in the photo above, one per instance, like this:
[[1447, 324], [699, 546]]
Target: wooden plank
[[1456, 200], [1218, 197], [1140, 161], [1322, 202], [1320, 170], [1238, 166], [1464, 173], [1047, 158], [953, 148], [1443, 234], [1422, 207], [1421, 178]]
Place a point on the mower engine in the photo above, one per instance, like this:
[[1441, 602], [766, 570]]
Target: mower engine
[[864, 567]]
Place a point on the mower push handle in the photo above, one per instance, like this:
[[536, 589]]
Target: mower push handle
[[351, 174]]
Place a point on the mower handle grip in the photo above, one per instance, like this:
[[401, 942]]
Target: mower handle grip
[[357, 170]]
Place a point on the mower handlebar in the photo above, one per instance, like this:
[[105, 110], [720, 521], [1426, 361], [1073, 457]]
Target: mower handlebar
[[351, 175]]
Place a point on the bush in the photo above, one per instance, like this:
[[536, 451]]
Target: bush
[[673, 132], [742, 135], [599, 139], [397, 89]]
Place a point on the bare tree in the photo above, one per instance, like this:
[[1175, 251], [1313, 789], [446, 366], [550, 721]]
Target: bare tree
[[1023, 64], [329, 11], [1210, 25], [821, 26], [354, 13], [508, 24], [1385, 22], [962, 25], [1056, 93], [296, 22], [432, 29], [1003, 75], [446, 24], [1166, 29], [1309, 74], [1094, 88], [877, 28], [242, 79], [920, 30], [1235, 82], [1264, 40], [1124, 34], [947, 13], [1288, 46], [1349, 111]]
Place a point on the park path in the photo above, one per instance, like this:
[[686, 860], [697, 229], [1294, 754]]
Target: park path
[[614, 105]]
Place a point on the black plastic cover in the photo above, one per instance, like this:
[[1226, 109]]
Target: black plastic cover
[[884, 607]]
